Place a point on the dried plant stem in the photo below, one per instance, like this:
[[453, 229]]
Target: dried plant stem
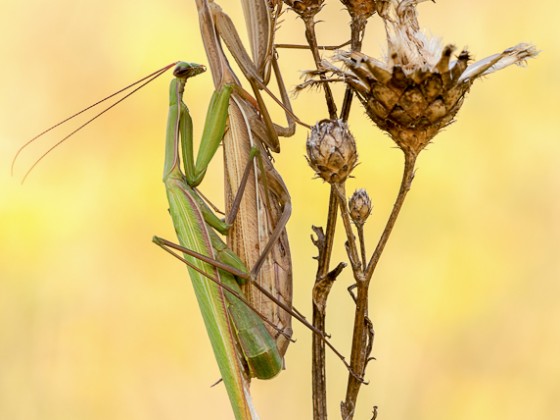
[[325, 245], [408, 176], [363, 333], [361, 238], [312, 41], [306, 47], [318, 372], [351, 247], [357, 30]]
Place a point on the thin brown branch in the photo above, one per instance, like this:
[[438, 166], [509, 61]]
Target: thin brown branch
[[408, 176], [312, 41], [306, 47], [325, 245], [360, 229], [351, 246], [362, 335], [357, 30]]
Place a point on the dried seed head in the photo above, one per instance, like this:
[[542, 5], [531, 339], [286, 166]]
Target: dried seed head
[[417, 89], [360, 9], [306, 9], [331, 150], [360, 206]]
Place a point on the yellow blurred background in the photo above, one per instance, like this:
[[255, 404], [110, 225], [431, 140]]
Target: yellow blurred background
[[97, 323]]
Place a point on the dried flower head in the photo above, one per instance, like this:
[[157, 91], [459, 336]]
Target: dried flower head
[[360, 207], [307, 9], [331, 150], [360, 9], [417, 89]]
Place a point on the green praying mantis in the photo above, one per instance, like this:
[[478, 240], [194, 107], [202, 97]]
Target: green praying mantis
[[242, 345]]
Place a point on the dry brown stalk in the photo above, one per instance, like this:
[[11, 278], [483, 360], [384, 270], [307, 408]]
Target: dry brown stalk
[[411, 94]]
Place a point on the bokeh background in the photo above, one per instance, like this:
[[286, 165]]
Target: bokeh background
[[97, 323]]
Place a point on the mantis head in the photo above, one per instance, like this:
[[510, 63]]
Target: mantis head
[[185, 70]]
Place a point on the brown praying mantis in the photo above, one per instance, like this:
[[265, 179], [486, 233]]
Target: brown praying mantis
[[258, 233]]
